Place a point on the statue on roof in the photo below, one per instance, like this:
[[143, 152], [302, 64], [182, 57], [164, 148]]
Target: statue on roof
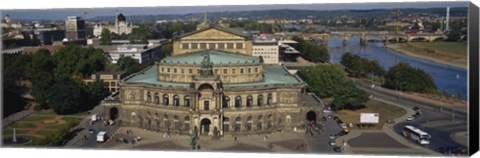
[[206, 66]]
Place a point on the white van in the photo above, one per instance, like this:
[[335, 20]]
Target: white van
[[94, 118], [102, 136]]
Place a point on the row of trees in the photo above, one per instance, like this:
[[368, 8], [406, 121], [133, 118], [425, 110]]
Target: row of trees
[[330, 80], [401, 76], [311, 51], [57, 80]]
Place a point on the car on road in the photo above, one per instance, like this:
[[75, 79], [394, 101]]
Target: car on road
[[337, 149], [332, 143], [343, 125], [411, 118], [102, 136], [91, 130], [330, 116], [327, 110], [332, 136]]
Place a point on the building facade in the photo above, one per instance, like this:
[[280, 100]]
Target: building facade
[[74, 28], [215, 91], [121, 26], [268, 50], [111, 80]]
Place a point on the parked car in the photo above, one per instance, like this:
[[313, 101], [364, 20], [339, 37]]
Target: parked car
[[337, 149], [330, 116], [343, 125], [339, 122], [332, 136], [335, 118], [332, 143], [416, 108], [411, 118], [327, 110], [341, 133]]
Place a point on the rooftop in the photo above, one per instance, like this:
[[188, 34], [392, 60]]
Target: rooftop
[[273, 75], [216, 56]]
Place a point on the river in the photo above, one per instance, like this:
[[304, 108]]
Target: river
[[446, 78]]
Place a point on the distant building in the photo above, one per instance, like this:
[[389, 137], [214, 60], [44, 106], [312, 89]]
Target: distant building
[[110, 79], [121, 26], [48, 36], [140, 52], [74, 28], [268, 50]]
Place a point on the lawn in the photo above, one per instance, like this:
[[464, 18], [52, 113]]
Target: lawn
[[45, 132], [21, 124], [38, 118], [385, 110], [452, 48], [10, 132]]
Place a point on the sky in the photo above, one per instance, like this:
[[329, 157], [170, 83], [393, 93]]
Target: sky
[[61, 14]]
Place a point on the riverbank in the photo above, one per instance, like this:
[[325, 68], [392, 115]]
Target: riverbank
[[431, 55]]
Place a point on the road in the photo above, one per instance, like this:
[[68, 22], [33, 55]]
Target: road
[[90, 142], [439, 122], [319, 143]]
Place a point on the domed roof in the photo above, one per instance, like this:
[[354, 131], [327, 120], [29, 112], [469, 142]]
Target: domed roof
[[120, 17]]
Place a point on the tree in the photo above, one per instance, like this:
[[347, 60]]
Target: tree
[[166, 51], [41, 74], [65, 96], [361, 67], [330, 81], [313, 52], [14, 70], [75, 60], [105, 37], [406, 78], [98, 90]]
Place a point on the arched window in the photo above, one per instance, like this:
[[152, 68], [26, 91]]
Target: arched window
[[149, 98], [176, 123], [166, 123], [269, 121], [165, 99], [249, 123], [176, 101], [186, 124], [238, 123], [249, 101], [260, 100], [226, 102], [186, 101], [269, 99], [226, 124], [238, 101], [259, 123], [157, 98]]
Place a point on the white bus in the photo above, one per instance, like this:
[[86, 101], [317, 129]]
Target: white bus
[[416, 135]]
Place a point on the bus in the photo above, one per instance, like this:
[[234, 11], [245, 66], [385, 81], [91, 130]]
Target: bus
[[416, 135]]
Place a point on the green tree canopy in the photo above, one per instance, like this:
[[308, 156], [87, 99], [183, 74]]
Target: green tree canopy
[[406, 78], [105, 37], [41, 75], [75, 60], [330, 80], [65, 96], [361, 67], [311, 51]]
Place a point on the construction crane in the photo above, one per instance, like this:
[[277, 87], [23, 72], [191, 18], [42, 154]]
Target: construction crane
[[85, 13]]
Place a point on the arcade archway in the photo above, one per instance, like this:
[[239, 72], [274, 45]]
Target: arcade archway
[[205, 126], [113, 113], [311, 116]]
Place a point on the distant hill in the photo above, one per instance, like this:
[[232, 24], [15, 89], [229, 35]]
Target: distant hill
[[292, 14]]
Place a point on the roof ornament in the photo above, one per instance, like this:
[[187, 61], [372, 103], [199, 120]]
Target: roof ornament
[[206, 66]]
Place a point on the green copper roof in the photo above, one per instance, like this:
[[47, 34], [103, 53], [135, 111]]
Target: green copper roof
[[216, 57], [273, 75], [149, 76]]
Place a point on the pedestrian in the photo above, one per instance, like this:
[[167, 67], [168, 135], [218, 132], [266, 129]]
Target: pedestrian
[[85, 137], [235, 138]]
